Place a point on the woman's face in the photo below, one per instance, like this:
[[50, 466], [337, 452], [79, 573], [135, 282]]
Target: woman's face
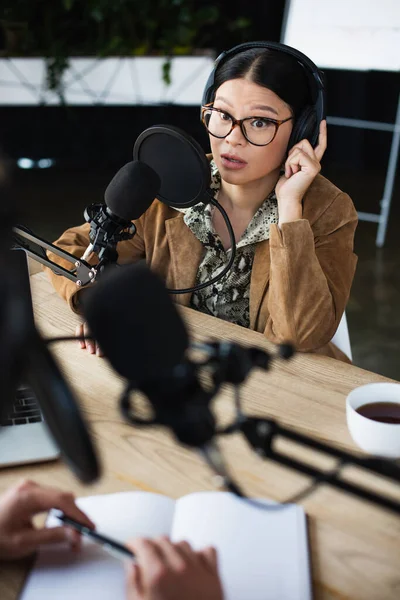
[[240, 162]]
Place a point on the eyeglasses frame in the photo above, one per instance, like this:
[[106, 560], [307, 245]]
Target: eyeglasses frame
[[276, 122]]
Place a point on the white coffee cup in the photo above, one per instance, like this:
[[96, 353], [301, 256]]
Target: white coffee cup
[[375, 437]]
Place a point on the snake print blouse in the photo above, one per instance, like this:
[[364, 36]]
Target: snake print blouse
[[229, 297]]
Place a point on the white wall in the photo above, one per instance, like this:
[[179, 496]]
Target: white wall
[[345, 34], [112, 81]]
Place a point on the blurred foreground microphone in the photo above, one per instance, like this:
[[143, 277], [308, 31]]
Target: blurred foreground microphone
[[138, 327], [128, 195], [25, 359], [134, 320]]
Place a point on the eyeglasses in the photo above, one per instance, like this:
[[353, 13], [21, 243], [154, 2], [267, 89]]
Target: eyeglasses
[[259, 131]]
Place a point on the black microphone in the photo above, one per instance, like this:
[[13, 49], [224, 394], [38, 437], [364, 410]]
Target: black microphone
[[138, 327], [140, 331], [127, 197]]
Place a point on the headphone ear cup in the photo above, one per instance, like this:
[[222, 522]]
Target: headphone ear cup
[[208, 90], [208, 94], [305, 127]]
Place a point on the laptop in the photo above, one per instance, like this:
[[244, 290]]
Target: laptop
[[24, 436]]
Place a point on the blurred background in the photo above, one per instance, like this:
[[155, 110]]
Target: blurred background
[[66, 126]]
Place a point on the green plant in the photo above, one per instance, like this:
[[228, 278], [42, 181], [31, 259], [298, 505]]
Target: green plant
[[59, 29]]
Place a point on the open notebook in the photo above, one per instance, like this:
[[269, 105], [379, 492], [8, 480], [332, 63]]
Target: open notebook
[[262, 554]]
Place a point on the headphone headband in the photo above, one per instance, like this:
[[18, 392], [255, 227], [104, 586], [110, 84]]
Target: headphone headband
[[316, 112]]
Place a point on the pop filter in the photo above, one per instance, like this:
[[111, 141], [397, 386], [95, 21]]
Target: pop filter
[[185, 175], [180, 163]]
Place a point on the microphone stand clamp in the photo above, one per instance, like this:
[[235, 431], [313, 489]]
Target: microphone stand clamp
[[106, 230]]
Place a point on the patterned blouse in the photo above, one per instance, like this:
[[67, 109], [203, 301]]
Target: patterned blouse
[[229, 297]]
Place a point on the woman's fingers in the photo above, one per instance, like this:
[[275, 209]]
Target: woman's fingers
[[300, 159], [173, 556], [150, 559], [90, 344], [292, 165], [79, 334], [186, 551], [209, 558], [135, 588], [37, 498], [82, 331], [306, 147], [322, 141], [316, 153]]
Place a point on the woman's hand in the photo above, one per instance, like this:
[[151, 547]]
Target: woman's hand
[[18, 535], [167, 571], [82, 331], [301, 167]]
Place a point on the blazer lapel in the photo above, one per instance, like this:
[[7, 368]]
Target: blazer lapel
[[259, 280], [186, 252]]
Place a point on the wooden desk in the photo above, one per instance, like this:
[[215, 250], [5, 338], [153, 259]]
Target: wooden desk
[[355, 546]]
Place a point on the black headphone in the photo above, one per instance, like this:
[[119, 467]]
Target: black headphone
[[306, 125]]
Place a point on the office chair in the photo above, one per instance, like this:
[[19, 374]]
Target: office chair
[[341, 339]]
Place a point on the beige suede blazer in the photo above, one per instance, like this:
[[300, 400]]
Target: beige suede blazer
[[301, 276]]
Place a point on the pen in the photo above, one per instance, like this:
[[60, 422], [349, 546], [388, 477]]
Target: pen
[[112, 546]]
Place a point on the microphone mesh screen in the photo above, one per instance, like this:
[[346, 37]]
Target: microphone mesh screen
[[131, 191], [135, 322]]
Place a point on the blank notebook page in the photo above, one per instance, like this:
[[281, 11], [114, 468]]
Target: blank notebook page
[[263, 554], [92, 573]]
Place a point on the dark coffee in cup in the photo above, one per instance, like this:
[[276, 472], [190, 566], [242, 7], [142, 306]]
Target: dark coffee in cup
[[384, 412]]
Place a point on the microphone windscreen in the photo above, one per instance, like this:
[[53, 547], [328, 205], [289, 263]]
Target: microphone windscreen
[[131, 191], [135, 322], [180, 162]]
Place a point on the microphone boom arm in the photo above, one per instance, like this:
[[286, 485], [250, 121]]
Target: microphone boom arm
[[82, 274], [261, 435]]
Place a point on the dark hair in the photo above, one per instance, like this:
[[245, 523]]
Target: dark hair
[[277, 71]]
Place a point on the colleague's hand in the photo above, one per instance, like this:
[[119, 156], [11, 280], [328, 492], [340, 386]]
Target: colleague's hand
[[301, 167], [18, 535], [167, 571], [82, 331]]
